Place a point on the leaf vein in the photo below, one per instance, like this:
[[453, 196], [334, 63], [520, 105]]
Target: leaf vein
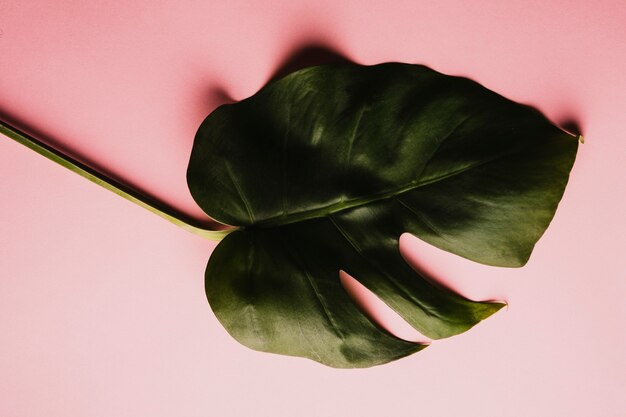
[[318, 295], [391, 279], [423, 219], [346, 162], [241, 194], [327, 210]]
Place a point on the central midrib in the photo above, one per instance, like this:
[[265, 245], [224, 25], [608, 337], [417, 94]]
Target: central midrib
[[357, 202]]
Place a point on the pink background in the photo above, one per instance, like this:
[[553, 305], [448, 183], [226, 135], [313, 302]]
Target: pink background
[[102, 306]]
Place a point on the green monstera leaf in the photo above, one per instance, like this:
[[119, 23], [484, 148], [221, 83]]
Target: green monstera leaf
[[324, 169]]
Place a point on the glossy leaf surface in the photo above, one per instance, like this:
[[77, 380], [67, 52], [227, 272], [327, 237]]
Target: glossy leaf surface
[[324, 169]]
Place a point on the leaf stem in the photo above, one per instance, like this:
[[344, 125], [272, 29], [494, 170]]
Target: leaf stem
[[125, 191]]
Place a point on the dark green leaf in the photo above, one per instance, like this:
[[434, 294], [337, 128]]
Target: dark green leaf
[[324, 169]]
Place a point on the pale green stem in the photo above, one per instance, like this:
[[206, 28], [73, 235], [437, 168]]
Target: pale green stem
[[122, 190]]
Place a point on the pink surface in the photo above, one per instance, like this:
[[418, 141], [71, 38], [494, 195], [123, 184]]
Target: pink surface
[[102, 306]]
